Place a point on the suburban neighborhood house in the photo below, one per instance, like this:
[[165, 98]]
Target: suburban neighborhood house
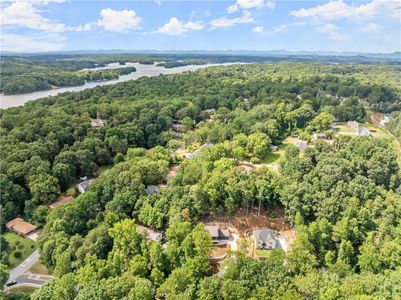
[[151, 189], [362, 131], [219, 236], [197, 152], [21, 227], [152, 234], [97, 123], [84, 185], [265, 239]]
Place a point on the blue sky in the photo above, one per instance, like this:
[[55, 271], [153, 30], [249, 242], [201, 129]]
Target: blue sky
[[336, 25]]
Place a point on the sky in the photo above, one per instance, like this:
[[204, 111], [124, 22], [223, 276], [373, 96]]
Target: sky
[[335, 25]]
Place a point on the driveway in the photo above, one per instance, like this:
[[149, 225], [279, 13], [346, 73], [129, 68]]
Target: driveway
[[23, 277], [25, 265]]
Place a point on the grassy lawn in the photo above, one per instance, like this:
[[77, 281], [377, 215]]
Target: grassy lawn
[[39, 268], [262, 253], [273, 157], [19, 293], [16, 242]]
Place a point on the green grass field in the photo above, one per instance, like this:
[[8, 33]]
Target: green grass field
[[19, 293], [19, 243]]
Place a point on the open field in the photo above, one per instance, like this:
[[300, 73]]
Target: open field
[[39, 268], [18, 243]]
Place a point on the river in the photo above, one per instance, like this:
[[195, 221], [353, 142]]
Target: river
[[7, 101]]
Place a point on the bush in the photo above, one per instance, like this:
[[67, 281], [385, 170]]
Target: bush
[[17, 243], [17, 254], [20, 246], [255, 160], [72, 191]]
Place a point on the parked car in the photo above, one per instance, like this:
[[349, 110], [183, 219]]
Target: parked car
[[11, 282]]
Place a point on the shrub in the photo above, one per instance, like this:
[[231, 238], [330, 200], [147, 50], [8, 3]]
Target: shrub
[[17, 254], [72, 191], [255, 160]]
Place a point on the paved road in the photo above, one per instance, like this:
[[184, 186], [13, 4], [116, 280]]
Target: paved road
[[24, 266], [30, 279]]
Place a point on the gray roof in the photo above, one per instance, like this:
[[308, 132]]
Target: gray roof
[[197, 152], [151, 189], [362, 131], [84, 185], [301, 145], [216, 232], [264, 234]]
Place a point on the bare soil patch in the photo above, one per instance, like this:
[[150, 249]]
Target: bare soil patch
[[63, 199]]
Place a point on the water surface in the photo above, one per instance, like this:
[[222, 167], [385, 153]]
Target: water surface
[[7, 101]]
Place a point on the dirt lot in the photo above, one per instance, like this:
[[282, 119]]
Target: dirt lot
[[243, 221], [63, 199], [219, 251]]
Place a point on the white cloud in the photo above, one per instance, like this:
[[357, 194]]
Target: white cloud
[[257, 29], [20, 43], [24, 14], [85, 27], [280, 28], [249, 4], [370, 27], [338, 9], [194, 26], [232, 8], [119, 20], [226, 22], [332, 31], [176, 27]]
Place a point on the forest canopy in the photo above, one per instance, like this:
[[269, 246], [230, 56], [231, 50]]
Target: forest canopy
[[342, 195]]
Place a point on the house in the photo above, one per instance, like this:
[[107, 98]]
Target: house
[[84, 185], [197, 152], [177, 126], [385, 119], [152, 234], [151, 189], [319, 136], [301, 145], [265, 239], [219, 236], [20, 226], [353, 125], [362, 131], [97, 123]]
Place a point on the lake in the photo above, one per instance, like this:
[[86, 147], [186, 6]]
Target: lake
[[7, 101]]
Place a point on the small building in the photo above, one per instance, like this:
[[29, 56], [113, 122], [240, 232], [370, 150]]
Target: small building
[[301, 145], [264, 239], [385, 119], [84, 185], [20, 226], [363, 131], [177, 126], [319, 135], [97, 123], [197, 152], [273, 148], [353, 125], [219, 236], [151, 189], [152, 234]]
